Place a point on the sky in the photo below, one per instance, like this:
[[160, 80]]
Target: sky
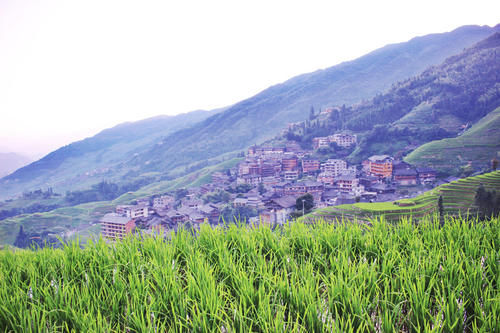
[[69, 69]]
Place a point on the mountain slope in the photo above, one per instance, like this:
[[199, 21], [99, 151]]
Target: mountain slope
[[9, 162], [102, 156], [477, 146], [262, 116], [123, 155], [436, 104]]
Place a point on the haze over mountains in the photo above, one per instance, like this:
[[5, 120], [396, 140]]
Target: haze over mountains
[[10, 162], [165, 147]]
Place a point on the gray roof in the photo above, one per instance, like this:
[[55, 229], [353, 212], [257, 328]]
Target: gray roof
[[286, 201], [376, 158], [114, 218], [348, 176], [405, 172]]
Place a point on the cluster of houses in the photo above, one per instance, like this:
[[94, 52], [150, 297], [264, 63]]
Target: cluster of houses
[[275, 177]]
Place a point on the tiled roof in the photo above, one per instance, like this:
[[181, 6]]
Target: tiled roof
[[114, 218]]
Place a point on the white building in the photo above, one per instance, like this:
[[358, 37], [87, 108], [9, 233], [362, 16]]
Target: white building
[[334, 166]]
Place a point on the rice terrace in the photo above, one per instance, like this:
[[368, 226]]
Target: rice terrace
[[458, 200]]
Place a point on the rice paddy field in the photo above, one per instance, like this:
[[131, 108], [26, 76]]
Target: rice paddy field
[[344, 277], [458, 200]]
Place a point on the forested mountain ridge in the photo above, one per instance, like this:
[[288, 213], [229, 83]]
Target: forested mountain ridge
[[88, 161], [267, 113], [442, 102], [166, 147]]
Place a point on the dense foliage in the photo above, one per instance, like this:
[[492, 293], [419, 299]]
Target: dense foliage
[[314, 278], [103, 191], [488, 202]]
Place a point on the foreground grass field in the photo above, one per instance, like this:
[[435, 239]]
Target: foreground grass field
[[347, 277]]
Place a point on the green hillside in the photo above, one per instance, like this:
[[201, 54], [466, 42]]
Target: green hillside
[[436, 104], [321, 278], [10, 162], [266, 114], [458, 199], [476, 146], [103, 156], [80, 220], [156, 149]]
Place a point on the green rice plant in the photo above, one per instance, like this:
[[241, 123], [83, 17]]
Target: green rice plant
[[320, 277]]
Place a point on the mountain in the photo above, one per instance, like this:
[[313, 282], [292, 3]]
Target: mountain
[[477, 146], [439, 103], [169, 147], [9, 162], [88, 161], [263, 115]]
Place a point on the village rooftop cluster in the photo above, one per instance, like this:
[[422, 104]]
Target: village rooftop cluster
[[268, 186]]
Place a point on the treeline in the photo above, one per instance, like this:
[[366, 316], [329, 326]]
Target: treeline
[[103, 191], [488, 202], [36, 240], [34, 208]]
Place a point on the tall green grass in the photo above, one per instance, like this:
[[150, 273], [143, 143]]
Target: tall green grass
[[324, 277]]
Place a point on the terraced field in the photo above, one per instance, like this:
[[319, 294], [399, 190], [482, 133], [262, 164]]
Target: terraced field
[[458, 199]]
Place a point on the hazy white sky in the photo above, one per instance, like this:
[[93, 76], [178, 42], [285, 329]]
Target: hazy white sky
[[69, 69]]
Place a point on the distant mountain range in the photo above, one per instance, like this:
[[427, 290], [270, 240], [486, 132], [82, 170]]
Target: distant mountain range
[[102, 156], [166, 147], [10, 162]]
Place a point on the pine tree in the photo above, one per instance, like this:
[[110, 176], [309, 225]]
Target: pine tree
[[441, 210]]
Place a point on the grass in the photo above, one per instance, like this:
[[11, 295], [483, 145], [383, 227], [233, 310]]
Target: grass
[[458, 199], [326, 277], [478, 145]]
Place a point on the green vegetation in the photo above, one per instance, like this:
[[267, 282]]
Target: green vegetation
[[458, 198], [317, 278], [478, 145], [69, 221], [104, 156], [175, 146]]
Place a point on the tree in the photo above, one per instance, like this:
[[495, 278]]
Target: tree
[[311, 113], [488, 202], [237, 214], [494, 164], [181, 193], [441, 210], [305, 203], [262, 189], [21, 239]]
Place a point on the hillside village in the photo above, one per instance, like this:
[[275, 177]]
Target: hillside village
[[270, 185]]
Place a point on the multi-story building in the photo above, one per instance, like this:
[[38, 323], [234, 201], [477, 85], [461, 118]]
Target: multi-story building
[[405, 176], [253, 180], [133, 211], [321, 142], [426, 175], [116, 226], [291, 175], [220, 178], [347, 182], [380, 166], [334, 166], [343, 139], [163, 201], [310, 165], [327, 178], [269, 169], [278, 210], [289, 163]]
